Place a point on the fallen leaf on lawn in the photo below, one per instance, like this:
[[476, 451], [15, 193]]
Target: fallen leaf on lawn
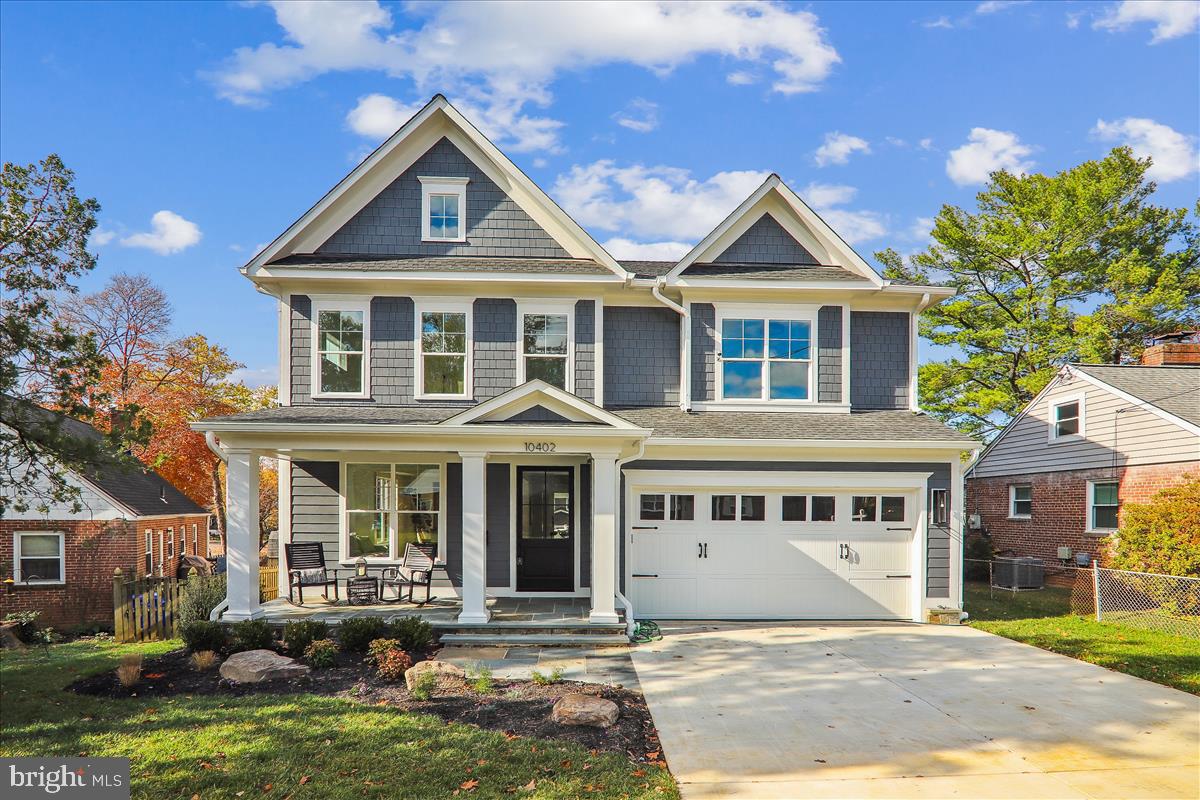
[[652, 756], [481, 762], [206, 765], [639, 773], [268, 787], [154, 675], [469, 785], [195, 797], [305, 779], [566, 763], [510, 736], [239, 794], [529, 787], [383, 702]]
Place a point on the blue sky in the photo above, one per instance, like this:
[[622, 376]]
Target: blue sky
[[204, 129]]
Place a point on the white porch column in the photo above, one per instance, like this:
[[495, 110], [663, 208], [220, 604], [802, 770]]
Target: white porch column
[[604, 539], [241, 535], [474, 539]]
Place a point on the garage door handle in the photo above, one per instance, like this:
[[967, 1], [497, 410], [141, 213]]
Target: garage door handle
[[645, 527], [899, 529], [699, 550], [645, 575], [899, 576]]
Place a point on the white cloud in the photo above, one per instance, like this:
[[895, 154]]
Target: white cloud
[[940, 22], [170, 233], [655, 203], [503, 56], [741, 78], [925, 144], [101, 237], [921, 228], [853, 226], [627, 249], [378, 116], [992, 6], [838, 148], [1171, 18], [1174, 154], [638, 115], [540, 162], [986, 151], [254, 378]]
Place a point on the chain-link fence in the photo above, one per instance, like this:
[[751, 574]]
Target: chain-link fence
[[1018, 588]]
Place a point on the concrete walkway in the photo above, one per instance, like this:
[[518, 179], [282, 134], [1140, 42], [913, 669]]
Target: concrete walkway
[[901, 710]]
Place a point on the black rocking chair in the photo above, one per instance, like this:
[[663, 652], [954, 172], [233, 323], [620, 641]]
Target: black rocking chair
[[416, 569], [306, 567]]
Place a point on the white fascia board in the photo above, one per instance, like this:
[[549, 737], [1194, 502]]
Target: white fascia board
[[742, 283], [533, 390], [1135, 400], [300, 273], [861, 444], [778, 480]]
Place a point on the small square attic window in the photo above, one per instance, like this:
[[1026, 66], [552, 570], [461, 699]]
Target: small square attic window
[[443, 209]]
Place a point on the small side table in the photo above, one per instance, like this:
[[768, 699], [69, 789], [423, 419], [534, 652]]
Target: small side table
[[362, 591]]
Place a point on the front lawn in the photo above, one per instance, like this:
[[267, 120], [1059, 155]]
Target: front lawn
[[287, 745], [1044, 619]]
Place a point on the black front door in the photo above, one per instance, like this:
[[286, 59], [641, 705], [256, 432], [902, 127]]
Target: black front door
[[545, 529]]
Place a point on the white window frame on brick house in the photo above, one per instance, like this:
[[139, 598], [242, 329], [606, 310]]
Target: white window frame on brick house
[[806, 313], [1012, 501], [565, 308], [149, 556], [1052, 419], [195, 539], [1091, 506], [18, 576], [162, 551], [170, 555], [443, 187], [443, 305], [340, 303]]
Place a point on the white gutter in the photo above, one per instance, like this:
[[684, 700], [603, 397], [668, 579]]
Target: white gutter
[[210, 439], [630, 622], [685, 343]]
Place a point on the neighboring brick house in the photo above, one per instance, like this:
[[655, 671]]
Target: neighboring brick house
[[61, 562], [1097, 437]]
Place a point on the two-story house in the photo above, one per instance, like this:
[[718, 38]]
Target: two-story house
[[732, 435]]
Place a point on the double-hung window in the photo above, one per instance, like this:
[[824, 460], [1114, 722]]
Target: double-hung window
[[444, 350], [767, 358], [38, 557], [1066, 418], [1020, 502], [1103, 505], [389, 506], [443, 209], [546, 344], [342, 330]]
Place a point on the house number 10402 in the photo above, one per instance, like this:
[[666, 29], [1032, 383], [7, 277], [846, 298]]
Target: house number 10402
[[540, 447]]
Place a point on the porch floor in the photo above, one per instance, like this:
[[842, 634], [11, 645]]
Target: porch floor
[[442, 612]]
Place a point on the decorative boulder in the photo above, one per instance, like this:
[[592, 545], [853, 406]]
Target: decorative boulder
[[442, 669], [584, 709], [256, 666]]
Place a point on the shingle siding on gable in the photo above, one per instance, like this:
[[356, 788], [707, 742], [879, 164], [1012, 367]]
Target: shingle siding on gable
[[391, 223], [879, 359], [585, 349], [765, 242], [704, 352], [495, 351], [641, 356], [829, 356]]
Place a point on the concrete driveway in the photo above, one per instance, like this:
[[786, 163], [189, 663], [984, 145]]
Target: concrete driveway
[[902, 710]]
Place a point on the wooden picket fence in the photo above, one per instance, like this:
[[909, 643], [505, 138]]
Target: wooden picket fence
[[145, 609], [268, 583]]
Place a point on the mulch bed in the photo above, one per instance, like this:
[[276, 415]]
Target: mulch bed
[[518, 708]]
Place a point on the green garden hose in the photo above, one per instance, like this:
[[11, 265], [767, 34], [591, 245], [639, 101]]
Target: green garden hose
[[646, 632]]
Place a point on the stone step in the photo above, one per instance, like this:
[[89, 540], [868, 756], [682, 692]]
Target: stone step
[[516, 628], [534, 639]]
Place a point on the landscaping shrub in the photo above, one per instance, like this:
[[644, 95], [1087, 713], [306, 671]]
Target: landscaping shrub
[[541, 679], [358, 632], [299, 635], [424, 685], [978, 548], [392, 664], [252, 634], [321, 654], [380, 646], [200, 595], [27, 628], [203, 635], [204, 660], [130, 671], [413, 633], [481, 680], [1162, 535]]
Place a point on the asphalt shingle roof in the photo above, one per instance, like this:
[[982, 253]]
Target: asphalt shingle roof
[[649, 269], [771, 272], [561, 266], [1174, 389]]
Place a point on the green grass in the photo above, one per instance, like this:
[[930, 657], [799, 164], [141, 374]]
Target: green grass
[[1044, 619], [218, 747]]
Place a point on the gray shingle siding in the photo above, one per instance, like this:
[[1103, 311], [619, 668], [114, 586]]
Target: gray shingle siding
[[452, 508], [829, 357], [392, 350], [641, 356], [585, 349], [315, 505], [765, 242], [585, 525], [704, 352], [391, 223], [879, 359], [495, 350], [497, 517], [937, 553], [301, 354]]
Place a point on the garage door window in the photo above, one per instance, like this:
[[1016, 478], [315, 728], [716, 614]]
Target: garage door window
[[754, 507], [864, 508], [683, 507], [724, 507], [892, 509], [795, 508], [822, 508], [653, 506]]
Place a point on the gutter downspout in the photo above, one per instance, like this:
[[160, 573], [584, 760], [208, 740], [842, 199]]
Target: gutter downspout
[[685, 343], [630, 622], [210, 439]]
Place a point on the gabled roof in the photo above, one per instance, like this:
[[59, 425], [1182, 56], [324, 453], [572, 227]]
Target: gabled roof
[[431, 264], [438, 119], [1173, 389], [546, 401]]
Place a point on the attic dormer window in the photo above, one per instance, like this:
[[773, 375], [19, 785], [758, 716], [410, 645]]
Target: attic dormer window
[[443, 209]]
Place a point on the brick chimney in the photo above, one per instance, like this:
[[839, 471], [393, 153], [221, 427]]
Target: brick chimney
[[1173, 349]]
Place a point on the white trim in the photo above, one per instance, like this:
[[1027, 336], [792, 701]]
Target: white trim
[[444, 305], [342, 303], [1089, 527], [452, 187], [534, 390], [1052, 405], [841, 481], [278, 273], [394, 553], [1134, 400], [564, 307], [1012, 501], [767, 312], [772, 406], [62, 558]]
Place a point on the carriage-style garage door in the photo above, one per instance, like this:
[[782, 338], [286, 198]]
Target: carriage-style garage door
[[804, 554]]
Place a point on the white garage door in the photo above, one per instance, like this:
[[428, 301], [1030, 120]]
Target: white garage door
[[725, 554]]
